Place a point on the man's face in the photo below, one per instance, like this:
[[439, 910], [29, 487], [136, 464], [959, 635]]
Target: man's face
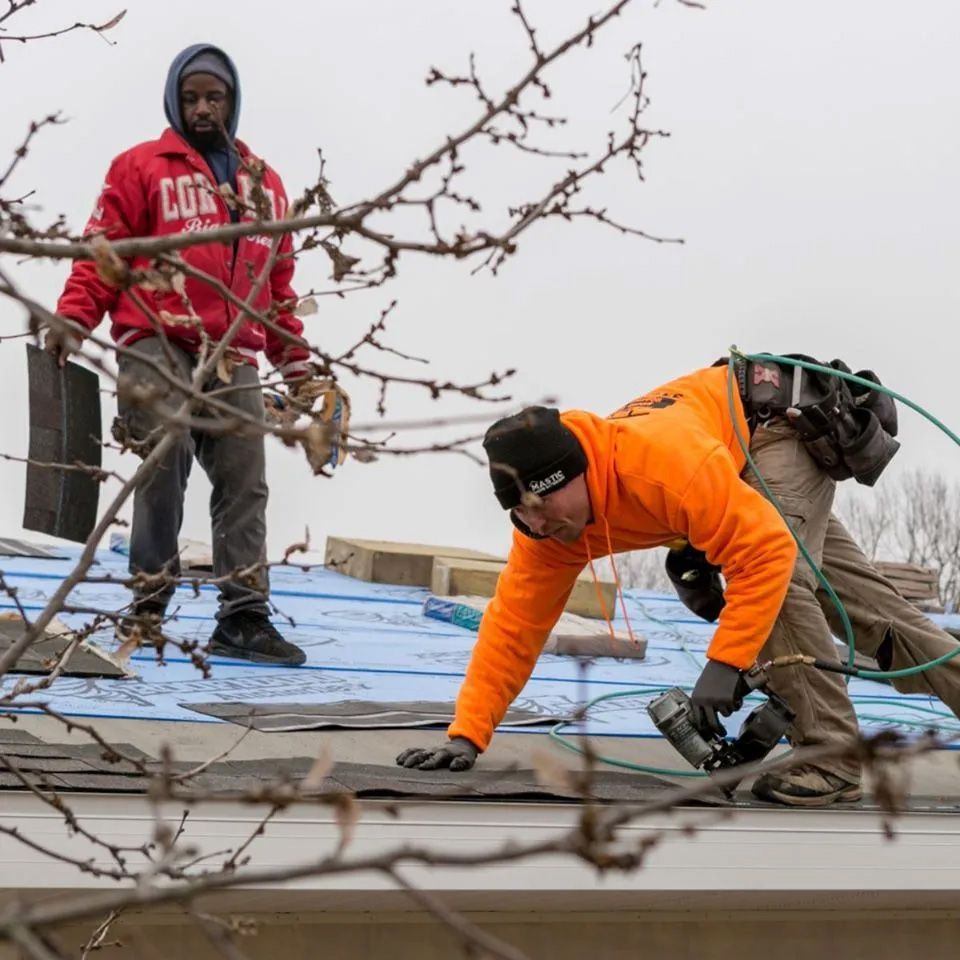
[[205, 106], [560, 515]]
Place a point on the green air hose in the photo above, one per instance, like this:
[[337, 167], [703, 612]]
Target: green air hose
[[834, 599], [769, 494], [612, 761], [849, 670]]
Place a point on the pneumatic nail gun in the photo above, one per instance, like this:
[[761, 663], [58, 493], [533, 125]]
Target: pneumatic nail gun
[[672, 714]]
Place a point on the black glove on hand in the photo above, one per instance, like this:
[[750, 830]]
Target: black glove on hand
[[720, 689], [457, 754], [696, 581]]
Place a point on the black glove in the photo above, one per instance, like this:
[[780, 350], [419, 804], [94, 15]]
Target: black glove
[[720, 689], [696, 581], [457, 754]]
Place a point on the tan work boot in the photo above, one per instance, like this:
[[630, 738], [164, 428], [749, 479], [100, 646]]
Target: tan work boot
[[806, 786]]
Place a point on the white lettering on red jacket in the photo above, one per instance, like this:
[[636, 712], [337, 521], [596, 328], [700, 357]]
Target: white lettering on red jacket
[[186, 196]]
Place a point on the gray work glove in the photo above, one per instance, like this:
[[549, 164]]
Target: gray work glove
[[720, 689], [61, 344], [458, 754]]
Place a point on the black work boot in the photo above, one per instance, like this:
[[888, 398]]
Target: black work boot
[[251, 636], [142, 624]]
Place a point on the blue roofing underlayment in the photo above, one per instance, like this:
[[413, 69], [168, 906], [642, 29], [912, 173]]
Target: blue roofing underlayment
[[367, 641]]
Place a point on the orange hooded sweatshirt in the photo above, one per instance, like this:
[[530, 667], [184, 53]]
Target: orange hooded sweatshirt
[[666, 465]]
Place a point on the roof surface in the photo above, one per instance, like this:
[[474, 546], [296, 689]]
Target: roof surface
[[369, 642]]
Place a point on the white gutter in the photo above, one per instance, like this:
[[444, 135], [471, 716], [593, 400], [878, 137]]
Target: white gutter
[[830, 854]]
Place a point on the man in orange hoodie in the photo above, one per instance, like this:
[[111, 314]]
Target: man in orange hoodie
[[666, 466]]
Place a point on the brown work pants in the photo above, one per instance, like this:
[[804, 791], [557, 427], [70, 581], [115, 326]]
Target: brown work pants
[[885, 625]]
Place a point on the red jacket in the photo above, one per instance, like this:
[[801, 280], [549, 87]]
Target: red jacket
[[164, 187]]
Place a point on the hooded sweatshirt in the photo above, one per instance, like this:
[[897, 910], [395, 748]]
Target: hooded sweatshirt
[[222, 160], [164, 187], [665, 466]]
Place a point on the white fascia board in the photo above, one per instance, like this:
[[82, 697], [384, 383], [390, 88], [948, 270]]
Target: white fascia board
[[752, 850]]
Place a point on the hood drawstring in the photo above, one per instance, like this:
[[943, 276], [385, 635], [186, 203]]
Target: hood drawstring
[[619, 587]]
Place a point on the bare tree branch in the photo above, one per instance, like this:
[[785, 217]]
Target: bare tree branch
[[15, 7]]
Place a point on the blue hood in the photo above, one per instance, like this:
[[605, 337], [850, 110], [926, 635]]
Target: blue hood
[[171, 92]]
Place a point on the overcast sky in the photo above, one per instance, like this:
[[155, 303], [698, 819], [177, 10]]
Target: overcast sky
[[812, 170]]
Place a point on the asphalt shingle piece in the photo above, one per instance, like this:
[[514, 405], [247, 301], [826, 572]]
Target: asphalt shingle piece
[[121, 767], [43, 780], [41, 750], [270, 769], [372, 780], [47, 764], [216, 781], [352, 715], [43, 653], [13, 735], [94, 750], [368, 780], [102, 782], [10, 547], [77, 757]]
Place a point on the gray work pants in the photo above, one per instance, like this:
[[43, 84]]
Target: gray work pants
[[885, 625], [234, 462]]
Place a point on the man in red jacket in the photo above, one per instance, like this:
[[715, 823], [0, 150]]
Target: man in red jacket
[[195, 177]]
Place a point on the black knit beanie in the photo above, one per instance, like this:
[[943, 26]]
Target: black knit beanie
[[531, 451], [209, 61]]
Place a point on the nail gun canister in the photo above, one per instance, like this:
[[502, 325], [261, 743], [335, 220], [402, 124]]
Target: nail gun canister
[[670, 713]]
